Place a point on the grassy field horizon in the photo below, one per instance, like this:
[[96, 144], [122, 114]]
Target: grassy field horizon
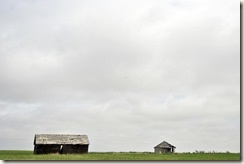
[[130, 156]]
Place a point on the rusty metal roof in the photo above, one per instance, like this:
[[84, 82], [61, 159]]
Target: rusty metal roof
[[165, 144], [61, 139]]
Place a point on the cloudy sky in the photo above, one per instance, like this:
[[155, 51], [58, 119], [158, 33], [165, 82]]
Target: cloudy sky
[[128, 73]]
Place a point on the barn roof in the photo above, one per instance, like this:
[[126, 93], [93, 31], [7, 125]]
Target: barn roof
[[61, 139], [165, 144]]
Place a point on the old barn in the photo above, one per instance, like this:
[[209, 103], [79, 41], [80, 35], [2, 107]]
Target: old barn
[[62, 144], [164, 147]]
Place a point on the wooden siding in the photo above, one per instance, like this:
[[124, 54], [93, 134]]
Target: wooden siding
[[46, 149], [74, 149], [162, 150]]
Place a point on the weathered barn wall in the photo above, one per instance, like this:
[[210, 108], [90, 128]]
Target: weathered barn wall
[[162, 150], [46, 149], [60, 149], [157, 150], [74, 149]]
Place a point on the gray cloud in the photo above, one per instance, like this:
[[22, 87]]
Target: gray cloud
[[127, 73]]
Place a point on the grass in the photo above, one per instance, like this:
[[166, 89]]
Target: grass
[[28, 155]]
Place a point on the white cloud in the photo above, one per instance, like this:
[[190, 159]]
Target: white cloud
[[129, 74]]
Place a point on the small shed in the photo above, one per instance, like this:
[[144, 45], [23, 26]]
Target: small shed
[[60, 144], [164, 147]]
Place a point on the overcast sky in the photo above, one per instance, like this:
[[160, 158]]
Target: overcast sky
[[127, 73]]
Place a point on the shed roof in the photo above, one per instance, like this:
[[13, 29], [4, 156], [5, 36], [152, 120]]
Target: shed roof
[[165, 144], [61, 139]]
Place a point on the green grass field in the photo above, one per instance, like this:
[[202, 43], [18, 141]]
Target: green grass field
[[28, 155]]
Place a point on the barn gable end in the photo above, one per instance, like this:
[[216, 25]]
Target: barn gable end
[[164, 147]]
